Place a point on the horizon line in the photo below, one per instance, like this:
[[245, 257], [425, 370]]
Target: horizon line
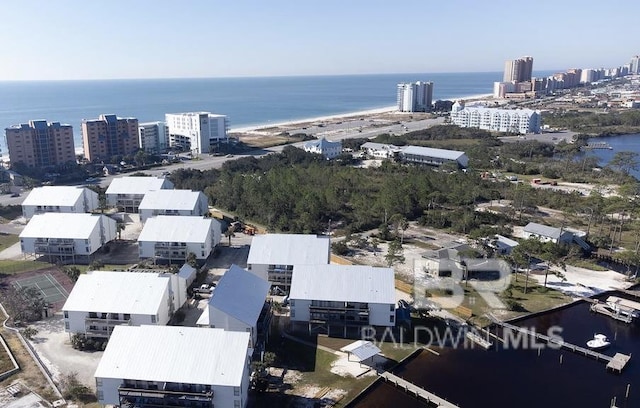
[[249, 76]]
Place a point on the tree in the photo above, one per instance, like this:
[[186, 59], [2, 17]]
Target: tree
[[23, 304], [394, 253], [95, 265], [73, 389], [230, 233], [72, 272], [120, 227], [29, 332], [141, 157], [626, 161], [192, 260]]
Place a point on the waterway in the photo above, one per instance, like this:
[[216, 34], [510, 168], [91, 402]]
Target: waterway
[[619, 143], [520, 377]]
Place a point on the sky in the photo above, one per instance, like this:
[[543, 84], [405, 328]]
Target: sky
[[105, 39]]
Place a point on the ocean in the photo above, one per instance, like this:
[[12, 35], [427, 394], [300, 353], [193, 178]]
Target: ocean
[[246, 101]]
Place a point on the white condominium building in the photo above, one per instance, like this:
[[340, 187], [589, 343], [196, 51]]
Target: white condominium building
[[415, 96], [153, 137], [521, 121], [196, 131]]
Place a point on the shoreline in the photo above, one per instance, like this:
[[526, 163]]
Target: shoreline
[[366, 112]]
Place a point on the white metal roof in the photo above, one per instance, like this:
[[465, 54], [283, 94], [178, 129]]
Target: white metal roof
[[186, 271], [54, 195], [362, 349], [137, 185], [353, 283], [176, 228], [189, 355], [288, 249], [542, 230], [240, 294], [430, 152], [118, 292], [61, 225], [170, 199], [379, 146]]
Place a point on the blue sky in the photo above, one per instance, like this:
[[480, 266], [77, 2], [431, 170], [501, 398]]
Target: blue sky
[[86, 39]]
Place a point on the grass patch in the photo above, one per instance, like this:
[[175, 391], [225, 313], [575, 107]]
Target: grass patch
[[587, 264], [6, 240], [11, 267], [536, 299], [9, 212], [5, 361]]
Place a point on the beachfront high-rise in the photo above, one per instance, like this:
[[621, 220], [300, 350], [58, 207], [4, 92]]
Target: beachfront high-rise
[[153, 137], [518, 70], [198, 132], [40, 144], [634, 65], [415, 96], [109, 136]]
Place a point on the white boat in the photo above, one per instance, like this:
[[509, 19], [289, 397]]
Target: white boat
[[598, 342]]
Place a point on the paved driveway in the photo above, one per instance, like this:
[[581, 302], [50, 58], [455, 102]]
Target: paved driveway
[[53, 345]]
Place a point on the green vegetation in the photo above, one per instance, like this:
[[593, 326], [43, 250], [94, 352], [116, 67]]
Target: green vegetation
[[586, 264], [9, 212], [6, 240], [11, 267], [595, 123], [5, 361]]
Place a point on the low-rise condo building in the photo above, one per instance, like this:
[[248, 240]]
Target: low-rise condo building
[[273, 257], [102, 300], [126, 193], [174, 366], [433, 157], [341, 299], [60, 199], [521, 121], [238, 303], [67, 237], [173, 202], [172, 238]]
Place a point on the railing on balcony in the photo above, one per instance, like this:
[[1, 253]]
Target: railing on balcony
[[166, 396]]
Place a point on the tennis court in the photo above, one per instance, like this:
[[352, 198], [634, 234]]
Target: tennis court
[[52, 291]]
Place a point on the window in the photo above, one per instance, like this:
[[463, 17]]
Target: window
[[98, 382], [391, 319], [66, 314], [392, 308], [293, 312], [66, 325], [100, 395], [153, 319], [236, 391]]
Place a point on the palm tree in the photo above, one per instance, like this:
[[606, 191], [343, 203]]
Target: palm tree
[[230, 233]]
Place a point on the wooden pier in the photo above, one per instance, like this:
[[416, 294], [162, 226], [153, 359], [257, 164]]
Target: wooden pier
[[598, 145], [602, 309], [616, 363], [417, 391]]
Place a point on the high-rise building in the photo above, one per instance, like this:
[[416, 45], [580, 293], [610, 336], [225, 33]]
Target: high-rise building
[[40, 143], [415, 96], [198, 132], [518, 70], [153, 137], [634, 65], [109, 136]]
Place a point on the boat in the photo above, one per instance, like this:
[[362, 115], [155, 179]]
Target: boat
[[599, 342]]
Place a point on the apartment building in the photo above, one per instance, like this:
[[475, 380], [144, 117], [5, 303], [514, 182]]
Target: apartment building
[[414, 96], [153, 137], [172, 238], [174, 366], [108, 136], [238, 303], [127, 193], [337, 299], [102, 300], [518, 70], [197, 132], [66, 237], [173, 202], [40, 144], [60, 199], [521, 121], [273, 257]]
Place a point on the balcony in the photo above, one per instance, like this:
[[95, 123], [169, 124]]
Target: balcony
[[169, 395]]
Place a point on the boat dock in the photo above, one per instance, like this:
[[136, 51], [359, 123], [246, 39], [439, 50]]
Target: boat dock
[[417, 391], [479, 340], [597, 145], [615, 363], [603, 309]]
